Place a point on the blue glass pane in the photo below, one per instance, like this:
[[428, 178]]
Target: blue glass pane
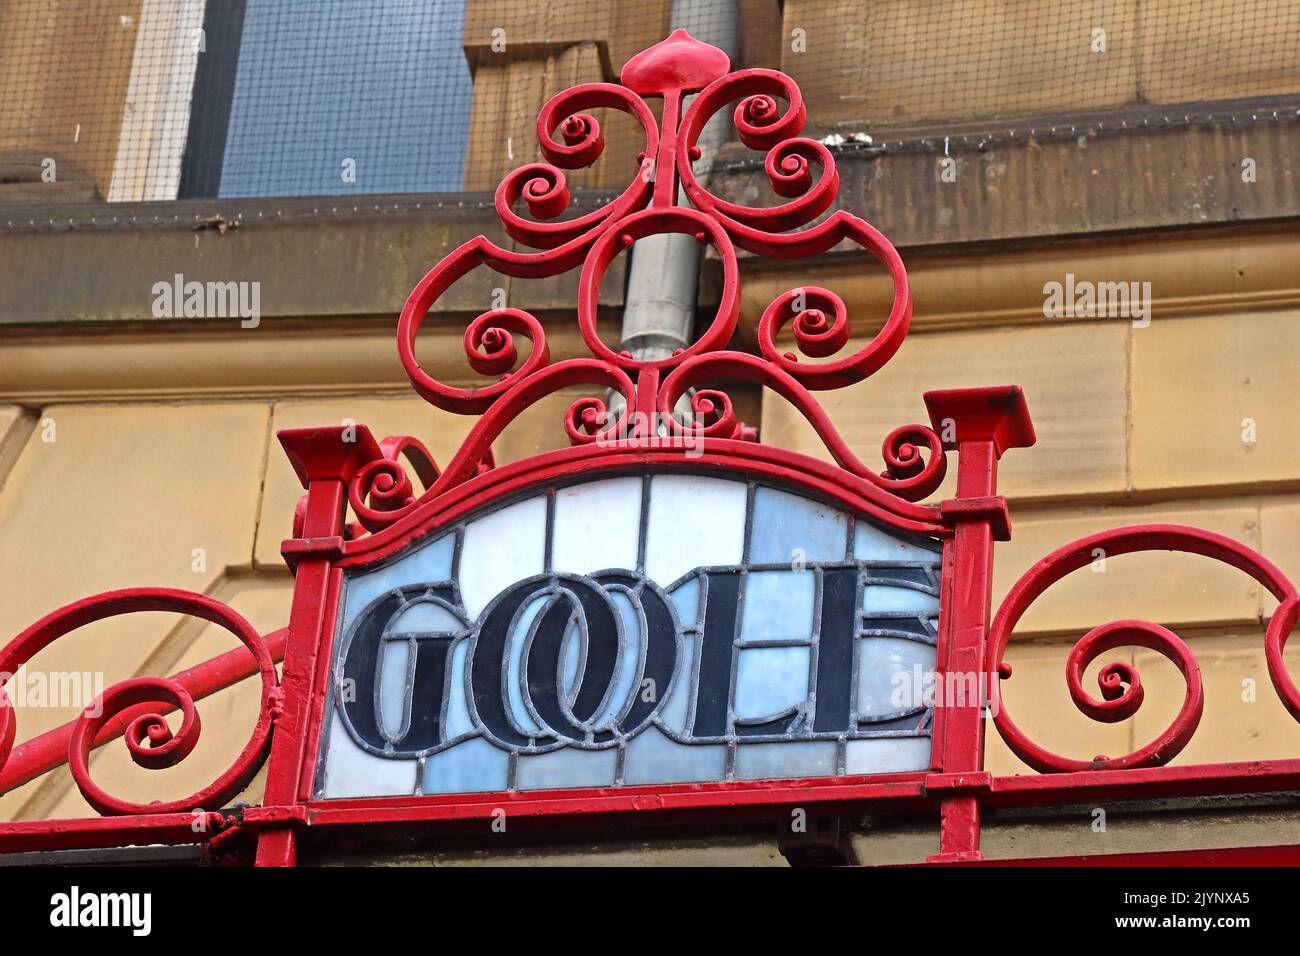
[[568, 768], [654, 758], [676, 707], [396, 101], [394, 661], [778, 605], [430, 562], [687, 597], [514, 689], [630, 663], [789, 529], [468, 767], [458, 718], [770, 680], [872, 544]]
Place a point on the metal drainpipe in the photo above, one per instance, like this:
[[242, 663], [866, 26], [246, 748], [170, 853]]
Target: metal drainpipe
[[664, 271]]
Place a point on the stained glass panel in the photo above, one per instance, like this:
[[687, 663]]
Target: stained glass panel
[[630, 631]]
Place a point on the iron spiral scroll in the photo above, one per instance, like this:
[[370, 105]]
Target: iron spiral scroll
[[1119, 682], [137, 706]]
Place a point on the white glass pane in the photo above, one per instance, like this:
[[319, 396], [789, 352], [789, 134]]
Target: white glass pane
[[881, 597], [352, 772], [427, 617], [597, 525], [501, 548], [887, 755], [891, 675], [694, 522], [872, 544]]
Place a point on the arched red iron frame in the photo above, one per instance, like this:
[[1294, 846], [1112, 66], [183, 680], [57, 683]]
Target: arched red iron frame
[[362, 507]]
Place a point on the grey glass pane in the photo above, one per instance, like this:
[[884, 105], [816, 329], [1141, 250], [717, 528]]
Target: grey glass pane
[[759, 761], [568, 768], [887, 755]]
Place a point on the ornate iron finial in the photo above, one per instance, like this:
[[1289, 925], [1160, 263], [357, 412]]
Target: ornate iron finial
[[677, 65], [769, 116]]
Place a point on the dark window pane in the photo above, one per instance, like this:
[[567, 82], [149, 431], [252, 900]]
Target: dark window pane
[[382, 83]]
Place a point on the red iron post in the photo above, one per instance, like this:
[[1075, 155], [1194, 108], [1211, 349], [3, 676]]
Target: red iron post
[[981, 424]]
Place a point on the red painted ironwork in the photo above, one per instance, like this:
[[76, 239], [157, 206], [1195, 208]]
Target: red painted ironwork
[[345, 470], [50, 749], [134, 703], [1120, 684], [668, 71]]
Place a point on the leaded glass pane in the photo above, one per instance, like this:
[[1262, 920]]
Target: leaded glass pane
[[635, 630]]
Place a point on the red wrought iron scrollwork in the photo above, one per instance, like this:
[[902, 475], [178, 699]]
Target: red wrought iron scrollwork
[[1119, 682], [769, 116], [137, 707]]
